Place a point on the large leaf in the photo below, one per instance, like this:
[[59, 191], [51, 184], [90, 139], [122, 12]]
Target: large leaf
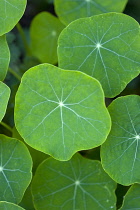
[[121, 152], [106, 47], [60, 112], [10, 13], [15, 169], [4, 57], [132, 198], [76, 184], [70, 10], [9, 206], [4, 97], [45, 29]]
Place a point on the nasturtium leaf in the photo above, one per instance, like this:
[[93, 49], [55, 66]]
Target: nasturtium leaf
[[105, 46], [45, 29], [120, 153], [79, 183], [70, 10], [132, 198], [60, 112], [9, 206], [4, 57], [15, 169], [10, 13], [4, 97]]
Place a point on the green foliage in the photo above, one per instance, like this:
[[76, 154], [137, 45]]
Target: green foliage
[[4, 97], [62, 111], [53, 96], [4, 57], [69, 11], [122, 144], [10, 13], [9, 206], [15, 169], [132, 198], [76, 184], [99, 39], [45, 28]]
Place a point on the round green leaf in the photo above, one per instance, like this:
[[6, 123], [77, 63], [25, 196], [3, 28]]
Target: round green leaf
[[60, 112], [15, 169], [106, 47], [121, 152], [4, 57], [69, 11], [4, 97], [132, 198], [79, 183], [9, 206], [45, 29], [10, 13]]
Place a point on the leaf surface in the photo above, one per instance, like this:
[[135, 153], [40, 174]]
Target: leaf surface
[[45, 29], [4, 57], [60, 112], [15, 169], [70, 10], [120, 153], [4, 97], [79, 183], [10, 13], [105, 46], [132, 198], [9, 206]]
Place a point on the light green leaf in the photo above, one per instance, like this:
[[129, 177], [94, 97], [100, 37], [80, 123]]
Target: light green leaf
[[60, 112], [79, 183], [15, 169], [70, 10], [132, 198], [10, 13], [9, 206], [106, 47], [120, 153], [45, 29], [4, 97], [4, 57]]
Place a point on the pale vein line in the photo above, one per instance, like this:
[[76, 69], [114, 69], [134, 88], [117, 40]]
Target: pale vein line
[[8, 183]]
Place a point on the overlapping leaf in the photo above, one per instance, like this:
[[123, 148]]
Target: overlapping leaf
[[45, 29], [15, 169], [121, 152], [70, 10], [4, 57], [4, 97], [105, 46], [10, 13], [76, 184], [9, 206], [132, 198], [60, 112]]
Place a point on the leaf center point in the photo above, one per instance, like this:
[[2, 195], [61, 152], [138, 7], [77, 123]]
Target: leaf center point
[[77, 182], [1, 168], [137, 137], [61, 104], [98, 46]]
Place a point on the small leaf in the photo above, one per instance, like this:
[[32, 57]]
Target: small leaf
[[79, 183], [120, 153], [69, 11], [45, 29], [4, 57], [10, 13], [60, 112], [132, 198], [105, 46], [15, 169], [9, 206], [4, 97]]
